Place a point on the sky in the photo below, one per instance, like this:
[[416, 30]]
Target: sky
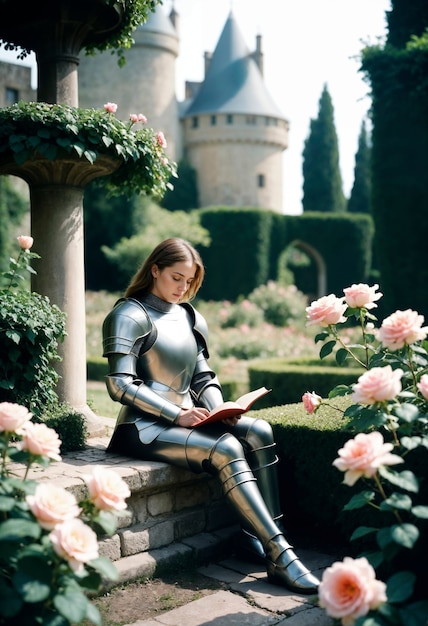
[[306, 44]]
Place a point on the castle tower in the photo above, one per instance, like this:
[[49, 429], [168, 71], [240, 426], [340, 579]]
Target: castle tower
[[146, 83], [234, 134]]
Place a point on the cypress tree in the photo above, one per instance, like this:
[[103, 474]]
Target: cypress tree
[[398, 74], [184, 196], [360, 199], [322, 180]]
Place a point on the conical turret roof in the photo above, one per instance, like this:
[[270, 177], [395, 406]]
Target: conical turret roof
[[233, 83]]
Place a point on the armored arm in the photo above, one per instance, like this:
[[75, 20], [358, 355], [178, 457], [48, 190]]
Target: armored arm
[[125, 330], [205, 385]]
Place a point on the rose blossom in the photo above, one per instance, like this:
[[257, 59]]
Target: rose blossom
[[160, 138], [142, 118], [41, 440], [110, 107], [13, 417], [133, 117], [377, 385], [52, 505], [402, 328], [25, 242], [363, 455], [75, 542], [311, 401], [422, 385], [361, 296], [325, 311], [349, 589], [106, 489]]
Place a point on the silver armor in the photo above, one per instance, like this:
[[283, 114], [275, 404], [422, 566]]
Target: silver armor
[[158, 365]]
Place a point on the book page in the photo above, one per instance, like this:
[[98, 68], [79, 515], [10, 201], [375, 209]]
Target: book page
[[234, 409]]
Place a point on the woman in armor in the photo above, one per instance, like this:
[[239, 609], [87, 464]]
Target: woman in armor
[[156, 345]]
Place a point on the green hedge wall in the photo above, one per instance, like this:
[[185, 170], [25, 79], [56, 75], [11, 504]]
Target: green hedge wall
[[289, 381], [246, 244]]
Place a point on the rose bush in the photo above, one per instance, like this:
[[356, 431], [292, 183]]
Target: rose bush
[[49, 556], [389, 414]]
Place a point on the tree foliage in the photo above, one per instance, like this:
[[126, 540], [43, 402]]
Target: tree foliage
[[322, 186], [360, 199], [184, 196]]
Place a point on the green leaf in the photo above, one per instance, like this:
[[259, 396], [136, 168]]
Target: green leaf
[[397, 501], [16, 529], [404, 535], [362, 531], [400, 586], [321, 336], [10, 601], [414, 614], [33, 579], [406, 412], [406, 479], [359, 500], [105, 567], [340, 390], [341, 356], [327, 349], [73, 605], [93, 614], [108, 522], [420, 511]]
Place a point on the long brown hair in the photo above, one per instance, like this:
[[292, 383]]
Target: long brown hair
[[167, 253]]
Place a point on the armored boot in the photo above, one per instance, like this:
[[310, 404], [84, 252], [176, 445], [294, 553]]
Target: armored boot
[[283, 566]]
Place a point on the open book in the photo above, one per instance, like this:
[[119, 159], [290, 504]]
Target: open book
[[233, 409]]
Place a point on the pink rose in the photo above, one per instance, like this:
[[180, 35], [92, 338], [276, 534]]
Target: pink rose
[[142, 118], [41, 440], [52, 505], [134, 118], [110, 107], [25, 242], [349, 589], [402, 328], [311, 401], [75, 542], [325, 311], [160, 138], [361, 296], [363, 455], [377, 385], [106, 489], [13, 417], [422, 385]]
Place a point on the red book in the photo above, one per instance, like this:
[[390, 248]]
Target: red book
[[233, 409]]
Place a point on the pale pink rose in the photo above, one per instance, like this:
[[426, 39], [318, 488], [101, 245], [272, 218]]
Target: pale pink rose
[[160, 138], [349, 589], [422, 385], [110, 107], [363, 455], [13, 417], [75, 542], [52, 505], [377, 385], [41, 440], [311, 401], [134, 118], [25, 242], [142, 118], [361, 296], [325, 311], [402, 328], [106, 489]]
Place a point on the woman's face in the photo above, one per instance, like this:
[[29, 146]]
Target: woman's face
[[171, 283]]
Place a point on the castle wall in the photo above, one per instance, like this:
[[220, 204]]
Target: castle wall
[[238, 164], [15, 80], [146, 84]]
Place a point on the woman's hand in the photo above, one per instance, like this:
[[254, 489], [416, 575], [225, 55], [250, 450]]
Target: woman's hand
[[231, 421], [191, 417]]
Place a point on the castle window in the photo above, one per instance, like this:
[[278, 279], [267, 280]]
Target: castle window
[[213, 120], [261, 180], [229, 119], [12, 96], [195, 122], [251, 119]]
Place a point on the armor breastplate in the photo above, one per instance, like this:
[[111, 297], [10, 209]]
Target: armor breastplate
[[168, 366]]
